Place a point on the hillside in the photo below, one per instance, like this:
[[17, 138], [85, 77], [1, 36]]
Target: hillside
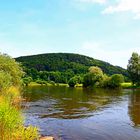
[[62, 62]]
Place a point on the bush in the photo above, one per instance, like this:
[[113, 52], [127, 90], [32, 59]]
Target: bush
[[113, 82], [52, 83], [74, 80], [27, 80], [94, 76], [105, 81], [116, 80], [8, 65], [11, 120], [5, 81]]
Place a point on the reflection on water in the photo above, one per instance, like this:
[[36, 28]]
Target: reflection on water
[[84, 114], [134, 107]]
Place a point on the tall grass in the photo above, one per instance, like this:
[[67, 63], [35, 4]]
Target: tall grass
[[11, 119]]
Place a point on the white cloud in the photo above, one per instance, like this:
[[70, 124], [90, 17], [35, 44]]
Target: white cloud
[[101, 52], [132, 6], [93, 1]]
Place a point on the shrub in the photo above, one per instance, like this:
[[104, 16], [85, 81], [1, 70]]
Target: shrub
[[94, 76], [8, 65], [112, 82], [5, 81], [27, 80], [74, 80]]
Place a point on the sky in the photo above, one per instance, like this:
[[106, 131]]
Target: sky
[[108, 30]]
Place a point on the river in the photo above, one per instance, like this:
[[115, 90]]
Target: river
[[83, 114]]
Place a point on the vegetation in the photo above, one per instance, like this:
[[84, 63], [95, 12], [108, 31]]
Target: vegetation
[[113, 82], [11, 120], [76, 80], [94, 76], [61, 67], [54, 68], [134, 69]]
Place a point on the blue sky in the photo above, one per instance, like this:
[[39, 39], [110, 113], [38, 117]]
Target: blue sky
[[108, 30]]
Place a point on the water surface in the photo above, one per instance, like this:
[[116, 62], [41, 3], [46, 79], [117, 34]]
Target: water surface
[[84, 114]]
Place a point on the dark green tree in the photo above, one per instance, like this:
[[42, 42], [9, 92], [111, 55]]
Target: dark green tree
[[116, 80], [74, 80], [133, 68], [27, 80]]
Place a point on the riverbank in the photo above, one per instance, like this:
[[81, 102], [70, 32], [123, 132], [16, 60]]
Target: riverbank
[[125, 85], [129, 86]]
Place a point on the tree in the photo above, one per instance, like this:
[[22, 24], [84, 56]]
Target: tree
[[112, 82], [133, 68], [116, 80], [27, 80], [9, 66], [74, 80], [94, 76]]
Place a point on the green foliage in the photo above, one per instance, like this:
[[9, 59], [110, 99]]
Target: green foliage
[[11, 121], [27, 80], [52, 83], [105, 83], [92, 78], [39, 81], [74, 80], [112, 82], [116, 80], [134, 68], [5, 81], [127, 85], [11, 67], [61, 67]]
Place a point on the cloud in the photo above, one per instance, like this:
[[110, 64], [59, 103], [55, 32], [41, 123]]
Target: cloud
[[102, 52], [93, 1], [132, 6]]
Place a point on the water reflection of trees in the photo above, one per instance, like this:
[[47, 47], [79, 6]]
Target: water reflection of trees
[[134, 108], [70, 103]]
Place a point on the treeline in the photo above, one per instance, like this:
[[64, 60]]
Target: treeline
[[61, 67], [56, 77], [96, 78], [76, 69], [63, 62]]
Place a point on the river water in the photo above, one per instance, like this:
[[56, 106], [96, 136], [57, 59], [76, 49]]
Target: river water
[[84, 114]]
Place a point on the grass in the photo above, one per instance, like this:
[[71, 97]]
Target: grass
[[11, 119], [129, 86], [48, 84], [126, 85]]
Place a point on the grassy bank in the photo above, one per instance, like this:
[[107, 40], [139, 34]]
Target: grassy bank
[[126, 85], [129, 86], [11, 119], [48, 84]]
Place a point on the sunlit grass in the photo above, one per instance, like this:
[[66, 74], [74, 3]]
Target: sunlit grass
[[11, 119], [129, 85]]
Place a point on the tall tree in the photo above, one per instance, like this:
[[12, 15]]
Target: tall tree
[[133, 68]]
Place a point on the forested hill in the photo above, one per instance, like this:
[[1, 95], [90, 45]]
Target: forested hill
[[62, 62]]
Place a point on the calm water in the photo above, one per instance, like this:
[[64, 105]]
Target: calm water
[[84, 114]]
